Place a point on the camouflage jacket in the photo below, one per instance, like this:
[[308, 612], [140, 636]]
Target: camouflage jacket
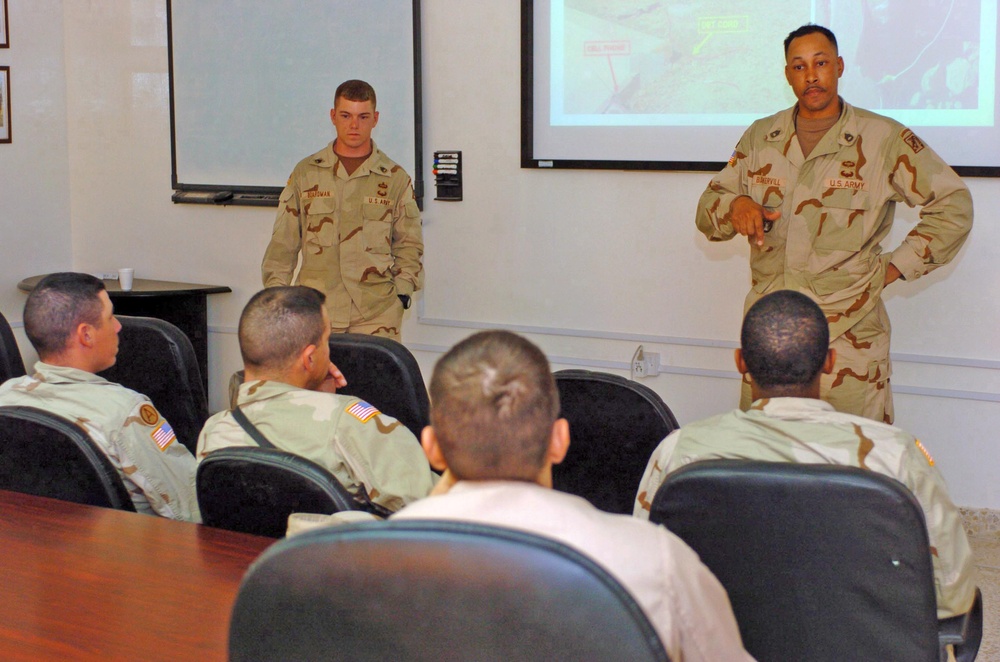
[[359, 234], [836, 208], [157, 469], [354, 441], [810, 431]]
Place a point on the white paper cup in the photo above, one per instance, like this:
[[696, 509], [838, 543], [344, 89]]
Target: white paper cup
[[125, 279]]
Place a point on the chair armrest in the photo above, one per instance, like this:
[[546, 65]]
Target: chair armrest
[[964, 632]]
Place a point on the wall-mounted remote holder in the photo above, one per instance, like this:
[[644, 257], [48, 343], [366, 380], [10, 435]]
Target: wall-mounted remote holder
[[448, 175]]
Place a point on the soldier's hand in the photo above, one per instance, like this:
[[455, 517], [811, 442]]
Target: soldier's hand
[[748, 218], [335, 379], [892, 273]]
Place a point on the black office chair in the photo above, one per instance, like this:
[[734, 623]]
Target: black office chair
[[433, 590], [254, 490], [11, 364], [821, 562], [47, 455], [615, 424], [385, 374], [156, 359]]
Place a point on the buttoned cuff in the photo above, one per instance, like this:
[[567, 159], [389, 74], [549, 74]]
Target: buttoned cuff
[[404, 287], [910, 265]]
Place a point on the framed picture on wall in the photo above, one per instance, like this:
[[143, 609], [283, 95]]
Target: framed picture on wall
[[4, 104], [4, 41]]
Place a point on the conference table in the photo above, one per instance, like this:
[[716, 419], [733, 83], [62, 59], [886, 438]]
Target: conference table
[[85, 583]]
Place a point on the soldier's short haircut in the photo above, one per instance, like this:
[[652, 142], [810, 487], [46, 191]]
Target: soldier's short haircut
[[811, 28], [785, 339], [278, 323], [355, 90], [493, 404], [57, 306]]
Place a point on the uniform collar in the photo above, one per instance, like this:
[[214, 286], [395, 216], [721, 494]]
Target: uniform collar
[[376, 164], [58, 374], [846, 128], [262, 389]]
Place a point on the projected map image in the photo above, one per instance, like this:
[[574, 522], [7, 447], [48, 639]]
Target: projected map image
[[725, 57]]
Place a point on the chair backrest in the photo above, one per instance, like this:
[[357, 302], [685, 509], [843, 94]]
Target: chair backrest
[[615, 424], [47, 455], [11, 363], [432, 590], [821, 562], [385, 374], [254, 490], [156, 359]]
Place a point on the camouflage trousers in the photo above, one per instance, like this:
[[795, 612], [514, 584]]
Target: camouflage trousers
[[859, 383], [387, 324]]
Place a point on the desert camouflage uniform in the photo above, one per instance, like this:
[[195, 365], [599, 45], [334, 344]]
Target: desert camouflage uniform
[[810, 431], [836, 208], [157, 469], [359, 236], [357, 446]]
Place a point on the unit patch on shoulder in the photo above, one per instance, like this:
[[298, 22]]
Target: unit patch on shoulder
[[911, 139], [362, 411], [149, 415], [930, 460], [163, 436]]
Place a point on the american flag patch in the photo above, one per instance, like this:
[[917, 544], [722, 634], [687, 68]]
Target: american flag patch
[[732, 159], [362, 411], [163, 436]]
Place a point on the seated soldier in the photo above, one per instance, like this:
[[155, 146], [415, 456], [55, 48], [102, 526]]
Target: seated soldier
[[494, 429], [70, 322], [288, 395], [785, 348]]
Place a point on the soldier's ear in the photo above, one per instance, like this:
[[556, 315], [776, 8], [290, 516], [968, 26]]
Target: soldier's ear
[[84, 335], [429, 442], [741, 364], [307, 356], [831, 360]]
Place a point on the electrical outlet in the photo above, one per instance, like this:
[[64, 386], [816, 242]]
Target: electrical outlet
[[638, 363], [644, 364]]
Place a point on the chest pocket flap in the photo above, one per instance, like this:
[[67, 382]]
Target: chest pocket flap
[[839, 223], [321, 221]]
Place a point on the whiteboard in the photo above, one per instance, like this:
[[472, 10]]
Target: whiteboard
[[252, 85]]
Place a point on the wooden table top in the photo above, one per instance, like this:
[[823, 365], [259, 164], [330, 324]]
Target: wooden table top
[[85, 583]]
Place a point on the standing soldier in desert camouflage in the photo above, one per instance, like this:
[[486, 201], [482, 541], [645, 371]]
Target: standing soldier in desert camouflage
[[814, 189], [350, 211]]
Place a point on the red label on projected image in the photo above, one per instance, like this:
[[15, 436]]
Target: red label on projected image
[[607, 48]]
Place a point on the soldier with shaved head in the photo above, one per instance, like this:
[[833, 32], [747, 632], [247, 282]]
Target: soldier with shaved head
[[289, 395], [495, 431], [784, 352]]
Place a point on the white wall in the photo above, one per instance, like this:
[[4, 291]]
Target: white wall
[[588, 263], [35, 235]]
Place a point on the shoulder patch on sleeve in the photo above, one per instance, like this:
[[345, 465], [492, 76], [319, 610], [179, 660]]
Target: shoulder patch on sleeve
[[920, 446], [149, 415], [362, 411], [911, 140], [163, 436]]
